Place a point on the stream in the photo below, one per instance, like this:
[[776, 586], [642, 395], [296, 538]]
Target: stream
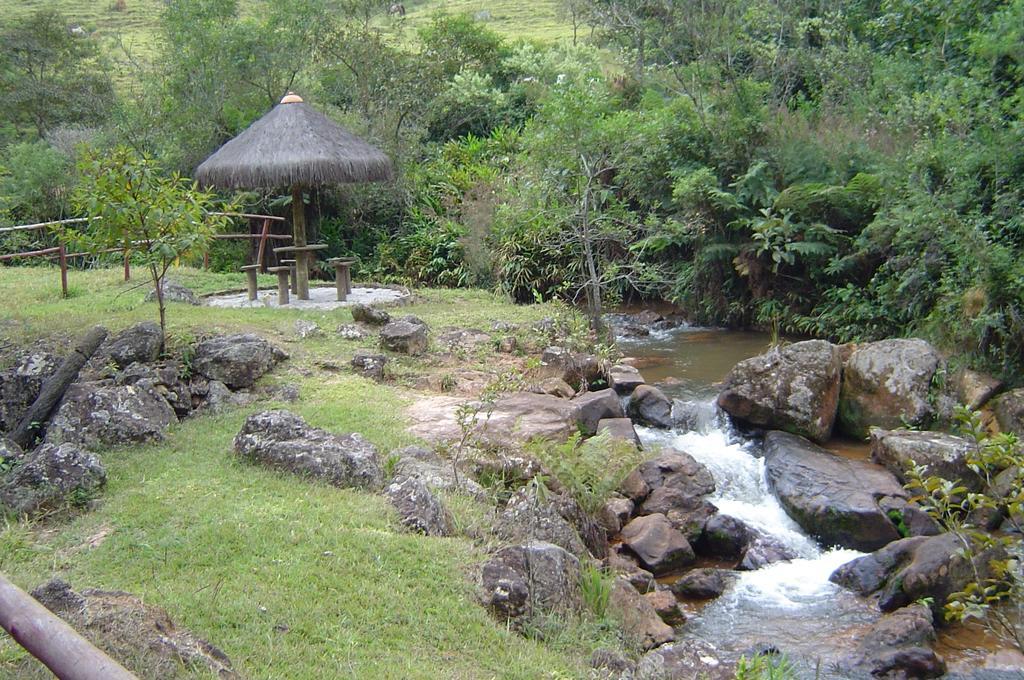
[[790, 606]]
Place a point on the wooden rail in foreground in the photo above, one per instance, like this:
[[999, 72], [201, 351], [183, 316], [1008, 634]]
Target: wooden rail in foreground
[[48, 638], [60, 253]]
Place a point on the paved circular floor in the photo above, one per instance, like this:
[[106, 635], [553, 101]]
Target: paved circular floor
[[322, 297]]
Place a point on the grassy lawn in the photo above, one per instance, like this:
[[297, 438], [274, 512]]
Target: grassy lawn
[[291, 579]]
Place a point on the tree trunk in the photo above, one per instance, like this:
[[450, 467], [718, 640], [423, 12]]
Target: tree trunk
[[158, 286], [54, 388]]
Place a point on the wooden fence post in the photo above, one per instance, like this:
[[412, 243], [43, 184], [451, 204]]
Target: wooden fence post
[[63, 270]]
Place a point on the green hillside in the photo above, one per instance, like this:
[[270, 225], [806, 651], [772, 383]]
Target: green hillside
[[135, 26]]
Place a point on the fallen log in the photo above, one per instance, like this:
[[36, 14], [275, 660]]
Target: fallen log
[[48, 638], [55, 387]]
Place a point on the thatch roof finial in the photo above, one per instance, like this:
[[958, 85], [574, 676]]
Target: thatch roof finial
[[291, 98]]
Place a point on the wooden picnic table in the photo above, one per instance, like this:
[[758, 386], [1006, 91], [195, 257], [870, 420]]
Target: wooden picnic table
[[301, 265]]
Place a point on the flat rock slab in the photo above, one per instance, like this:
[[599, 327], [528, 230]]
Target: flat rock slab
[[515, 419], [832, 498], [319, 298], [941, 454]]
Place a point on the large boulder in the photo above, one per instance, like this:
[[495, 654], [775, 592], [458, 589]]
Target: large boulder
[[624, 379], [619, 429], [649, 406], [673, 481], [519, 582], [238, 361], [1009, 411], [887, 384], [140, 636], [165, 379], [528, 516], [974, 389], [660, 548], [49, 477], [373, 316], [725, 537], [283, 440], [418, 508], [898, 645], [597, 406], [641, 625], [97, 414], [832, 498], [405, 336], [522, 416], [175, 292], [793, 388], [703, 584], [140, 343], [941, 454], [20, 386], [915, 568], [437, 474]]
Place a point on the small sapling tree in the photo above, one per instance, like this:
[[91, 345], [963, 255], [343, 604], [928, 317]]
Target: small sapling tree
[[158, 218]]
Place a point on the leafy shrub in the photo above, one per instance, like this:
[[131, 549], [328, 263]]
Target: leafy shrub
[[592, 469]]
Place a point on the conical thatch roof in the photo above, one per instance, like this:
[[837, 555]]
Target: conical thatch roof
[[292, 145]]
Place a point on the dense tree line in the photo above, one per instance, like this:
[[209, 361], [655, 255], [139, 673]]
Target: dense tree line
[[851, 169]]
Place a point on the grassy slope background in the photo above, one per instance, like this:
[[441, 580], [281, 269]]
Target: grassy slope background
[[136, 26], [291, 579]]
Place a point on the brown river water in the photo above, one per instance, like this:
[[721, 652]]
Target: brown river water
[[791, 605]]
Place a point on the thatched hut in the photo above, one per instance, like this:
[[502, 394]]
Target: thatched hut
[[295, 146]]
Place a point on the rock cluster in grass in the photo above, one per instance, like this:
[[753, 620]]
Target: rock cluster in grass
[[125, 394]]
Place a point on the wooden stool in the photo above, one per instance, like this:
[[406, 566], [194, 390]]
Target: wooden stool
[[301, 265], [282, 283], [295, 274], [342, 275], [250, 279]]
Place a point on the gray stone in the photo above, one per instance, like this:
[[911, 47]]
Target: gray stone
[[9, 451], [165, 379], [615, 514], [624, 379], [462, 339], [640, 623], [595, 407], [307, 329], [911, 569], [369, 364], [350, 331], [974, 389], [20, 386], [555, 387], [527, 517], [703, 584], [897, 645], [687, 659], [1009, 411], [404, 337], [140, 343], [175, 292], [941, 454], [666, 606], [238, 361], [763, 550], [724, 536], [832, 498], [437, 474], [794, 388], [522, 416], [659, 546], [673, 481], [537, 578], [418, 508], [49, 477], [139, 635], [217, 398], [619, 429], [283, 440], [650, 406], [373, 316], [97, 414], [887, 384]]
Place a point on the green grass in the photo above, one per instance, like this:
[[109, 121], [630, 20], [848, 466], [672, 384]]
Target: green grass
[[137, 26], [234, 552]]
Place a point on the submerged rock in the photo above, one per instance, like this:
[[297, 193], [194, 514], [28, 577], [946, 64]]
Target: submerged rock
[[140, 636], [703, 584], [832, 498], [238, 361], [794, 388], [94, 414], [887, 384], [283, 440], [650, 406], [915, 568], [49, 477]]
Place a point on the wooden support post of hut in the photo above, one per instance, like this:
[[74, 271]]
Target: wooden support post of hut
[[294, 146]]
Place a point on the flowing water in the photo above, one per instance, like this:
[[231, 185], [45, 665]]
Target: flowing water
[[791, 605]]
